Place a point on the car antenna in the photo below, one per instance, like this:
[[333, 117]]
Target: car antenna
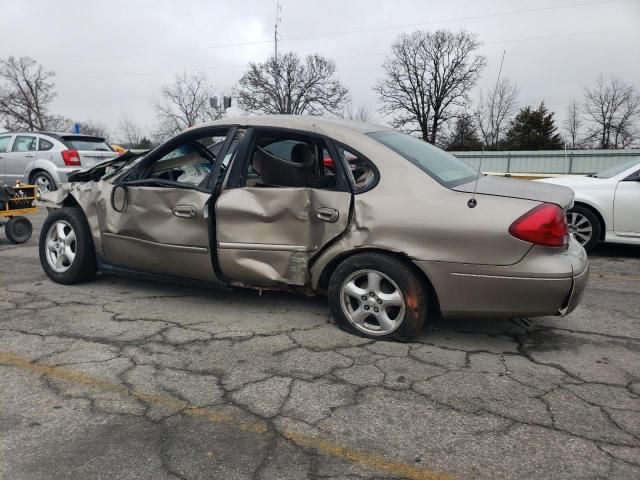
[[472, 201]]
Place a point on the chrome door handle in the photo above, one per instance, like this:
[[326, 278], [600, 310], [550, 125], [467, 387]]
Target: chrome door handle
[[327, 214], [29, 156], [185, 211]]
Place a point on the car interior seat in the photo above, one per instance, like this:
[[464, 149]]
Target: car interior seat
[[285, 173]]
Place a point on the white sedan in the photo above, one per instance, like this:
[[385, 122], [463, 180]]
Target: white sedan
[[606, 206]]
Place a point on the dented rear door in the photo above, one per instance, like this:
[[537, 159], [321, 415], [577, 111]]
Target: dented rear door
[[266, 236]]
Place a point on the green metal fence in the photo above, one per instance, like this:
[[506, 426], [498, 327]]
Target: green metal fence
[[548, 161]]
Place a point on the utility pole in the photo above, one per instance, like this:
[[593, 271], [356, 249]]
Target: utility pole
[[276, 35]]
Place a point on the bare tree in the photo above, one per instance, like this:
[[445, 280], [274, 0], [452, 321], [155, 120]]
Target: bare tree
[[572, 124], [26, 91], [494, 111], [291, 85], [184, 103], [59, 123], [612, 108], [361, 113], [428, 75], [129, 132]]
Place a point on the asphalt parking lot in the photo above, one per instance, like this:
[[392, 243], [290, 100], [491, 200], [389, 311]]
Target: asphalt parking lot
[[123, 379]]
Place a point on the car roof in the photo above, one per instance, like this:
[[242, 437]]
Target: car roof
[[57, 135], [309, 123]]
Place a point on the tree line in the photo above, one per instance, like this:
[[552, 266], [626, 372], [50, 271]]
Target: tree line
[[426, 89]]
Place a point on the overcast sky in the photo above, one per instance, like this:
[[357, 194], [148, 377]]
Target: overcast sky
[[112, 57]]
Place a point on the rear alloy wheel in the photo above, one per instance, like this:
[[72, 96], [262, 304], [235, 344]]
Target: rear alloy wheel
[[584, 226], [66, 248], [44, 182], [18, 229], [378, 296]]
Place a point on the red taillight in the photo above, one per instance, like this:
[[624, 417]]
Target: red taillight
[[544, 225], [71, 158]]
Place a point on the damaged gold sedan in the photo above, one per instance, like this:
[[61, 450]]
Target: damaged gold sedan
[[392, 229]]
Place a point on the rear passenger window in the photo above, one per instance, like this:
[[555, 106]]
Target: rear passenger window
[[45, 145], [296, 161], [363, 174], [24, 144], [4, 143]]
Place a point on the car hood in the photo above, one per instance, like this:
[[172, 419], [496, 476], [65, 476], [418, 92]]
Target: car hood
[[571, 181], [98, 171], [524, 189]]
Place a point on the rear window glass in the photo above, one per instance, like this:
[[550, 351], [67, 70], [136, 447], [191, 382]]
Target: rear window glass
[[438, 164], [89, 144]]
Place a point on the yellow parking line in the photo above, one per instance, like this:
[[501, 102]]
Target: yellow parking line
[[321, 445], [614, 276]]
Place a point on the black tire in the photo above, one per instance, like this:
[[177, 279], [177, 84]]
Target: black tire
[[42, 175], [596, 226], [18, 229], [83, 267], [406, 279]]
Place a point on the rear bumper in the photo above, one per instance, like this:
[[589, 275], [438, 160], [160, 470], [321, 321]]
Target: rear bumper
[[577, 291], [544, 282]]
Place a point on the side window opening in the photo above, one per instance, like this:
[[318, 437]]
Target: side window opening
[[296, 161], [24, 143], [44, 145], [190, 163], [4, 143], [363, 173]]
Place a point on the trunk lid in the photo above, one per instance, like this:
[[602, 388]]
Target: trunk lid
[[524, 189]]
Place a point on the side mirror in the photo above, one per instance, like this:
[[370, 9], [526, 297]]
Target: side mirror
[[119, 198]]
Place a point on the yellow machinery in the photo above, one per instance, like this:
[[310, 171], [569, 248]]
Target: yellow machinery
[[15, 202]]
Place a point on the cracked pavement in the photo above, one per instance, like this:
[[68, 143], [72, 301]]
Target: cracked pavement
[[119, 378]]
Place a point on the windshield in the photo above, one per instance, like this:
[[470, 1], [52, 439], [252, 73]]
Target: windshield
[[438, 164], [112, 171], [616, 169]]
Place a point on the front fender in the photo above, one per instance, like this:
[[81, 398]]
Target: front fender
[[602, 205], [85, 195]]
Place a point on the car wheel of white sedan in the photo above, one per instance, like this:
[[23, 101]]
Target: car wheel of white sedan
[[584, 226]]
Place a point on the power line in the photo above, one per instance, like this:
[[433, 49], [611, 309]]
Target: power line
[[450, 20], [347, 32]]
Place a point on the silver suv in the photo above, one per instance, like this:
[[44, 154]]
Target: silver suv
[[45, 159]]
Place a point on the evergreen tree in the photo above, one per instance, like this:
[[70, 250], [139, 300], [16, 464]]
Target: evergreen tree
[[533, 130], [464, 135]]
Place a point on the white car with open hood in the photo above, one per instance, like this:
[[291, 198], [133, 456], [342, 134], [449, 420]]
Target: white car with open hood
[[606, 206]]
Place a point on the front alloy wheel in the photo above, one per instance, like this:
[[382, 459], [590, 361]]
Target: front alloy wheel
[[580, 227], [61, 246], [67, 253], [584, 226]]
